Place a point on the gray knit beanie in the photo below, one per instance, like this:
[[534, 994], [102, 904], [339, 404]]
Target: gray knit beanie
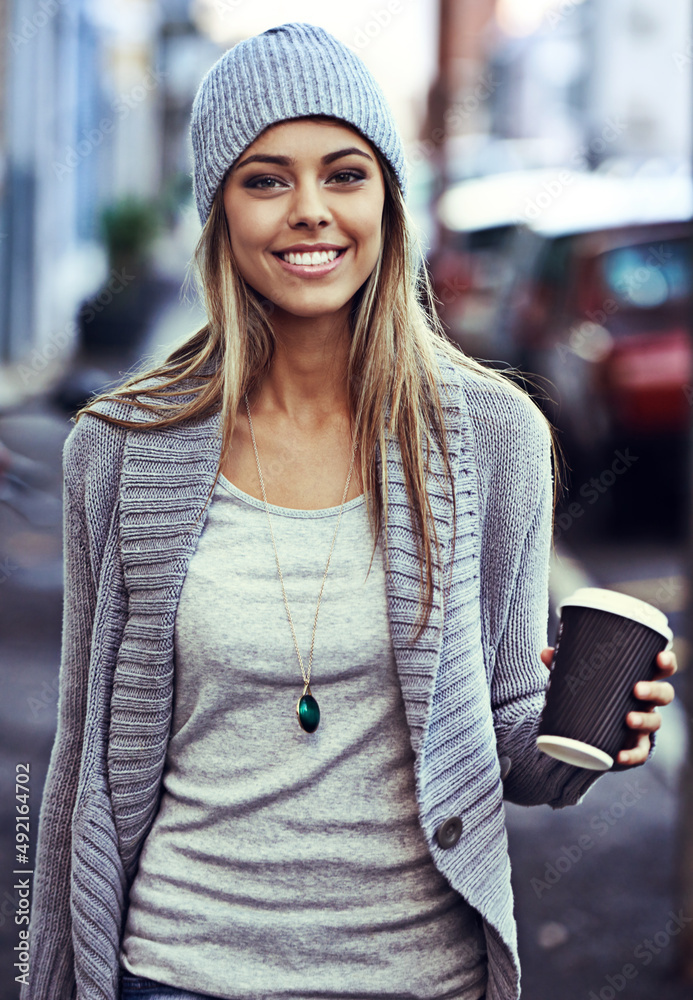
[[289, 71]]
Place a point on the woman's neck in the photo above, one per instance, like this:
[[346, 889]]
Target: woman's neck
[[306, 384]]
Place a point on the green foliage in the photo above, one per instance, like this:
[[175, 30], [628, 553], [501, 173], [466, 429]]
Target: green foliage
[[128, 227]]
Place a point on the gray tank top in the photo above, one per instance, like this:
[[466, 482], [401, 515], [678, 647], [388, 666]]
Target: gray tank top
[[281, 864]]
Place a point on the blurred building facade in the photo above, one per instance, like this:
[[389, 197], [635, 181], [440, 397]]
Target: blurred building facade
[[585, 83], [95, 105]]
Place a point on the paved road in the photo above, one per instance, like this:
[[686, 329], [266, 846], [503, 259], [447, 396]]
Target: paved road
[[30, 622]]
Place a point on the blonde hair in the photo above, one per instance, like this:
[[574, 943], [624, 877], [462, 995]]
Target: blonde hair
[[395, 335]]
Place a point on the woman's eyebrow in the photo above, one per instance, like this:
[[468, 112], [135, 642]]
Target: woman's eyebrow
[[289, 161]]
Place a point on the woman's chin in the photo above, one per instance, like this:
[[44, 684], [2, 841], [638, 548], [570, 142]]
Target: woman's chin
[[308, 307]]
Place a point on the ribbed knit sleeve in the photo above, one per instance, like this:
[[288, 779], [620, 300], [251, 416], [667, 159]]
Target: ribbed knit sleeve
[[92, 457], [50, 930], [513, 446], [520, 676]]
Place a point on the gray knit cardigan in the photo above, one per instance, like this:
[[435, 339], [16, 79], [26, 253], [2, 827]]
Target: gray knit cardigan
[[473, 686]]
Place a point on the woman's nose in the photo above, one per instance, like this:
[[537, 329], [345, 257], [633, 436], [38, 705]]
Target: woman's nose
[[309, 205]]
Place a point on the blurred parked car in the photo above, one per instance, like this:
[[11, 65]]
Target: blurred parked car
[[472, 268], [600, 305]]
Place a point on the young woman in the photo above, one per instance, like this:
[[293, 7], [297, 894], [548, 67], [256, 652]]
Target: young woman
[[304, 650]]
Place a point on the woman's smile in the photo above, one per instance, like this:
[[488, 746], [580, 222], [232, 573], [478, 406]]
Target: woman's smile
[[310, 264]]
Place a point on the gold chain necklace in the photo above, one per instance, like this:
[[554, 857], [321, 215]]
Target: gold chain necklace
[[307, 708]]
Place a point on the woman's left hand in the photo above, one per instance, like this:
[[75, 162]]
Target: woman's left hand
[[653, 693]]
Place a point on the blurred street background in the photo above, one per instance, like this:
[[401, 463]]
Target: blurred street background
[[549, 150]]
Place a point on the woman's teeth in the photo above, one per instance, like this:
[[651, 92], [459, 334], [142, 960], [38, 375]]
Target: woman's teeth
[[318, 257]]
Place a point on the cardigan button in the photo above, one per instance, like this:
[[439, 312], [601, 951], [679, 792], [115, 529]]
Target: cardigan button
[[505, 765], [449, 832]]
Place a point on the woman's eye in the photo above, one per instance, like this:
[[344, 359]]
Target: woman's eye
[[351, 174], [256, 182]]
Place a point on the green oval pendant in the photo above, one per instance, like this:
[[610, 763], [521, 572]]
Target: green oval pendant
[[308, 711]]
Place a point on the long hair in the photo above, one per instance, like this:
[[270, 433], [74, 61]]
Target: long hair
[[395, 336]]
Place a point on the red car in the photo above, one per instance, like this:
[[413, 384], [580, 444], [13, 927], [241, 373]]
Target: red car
[[604, 315]]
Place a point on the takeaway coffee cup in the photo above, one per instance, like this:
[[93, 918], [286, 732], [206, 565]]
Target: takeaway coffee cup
[[606, 642]]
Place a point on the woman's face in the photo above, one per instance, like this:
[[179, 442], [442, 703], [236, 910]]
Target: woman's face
[[306, 186]]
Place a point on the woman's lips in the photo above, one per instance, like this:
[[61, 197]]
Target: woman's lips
[[312, 270]]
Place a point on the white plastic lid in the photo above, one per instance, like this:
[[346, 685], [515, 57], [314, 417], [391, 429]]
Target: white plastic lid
[[575, 752], [620, 604]]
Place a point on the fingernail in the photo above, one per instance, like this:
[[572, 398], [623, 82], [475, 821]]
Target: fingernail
[[636, 718], [643, 689]]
